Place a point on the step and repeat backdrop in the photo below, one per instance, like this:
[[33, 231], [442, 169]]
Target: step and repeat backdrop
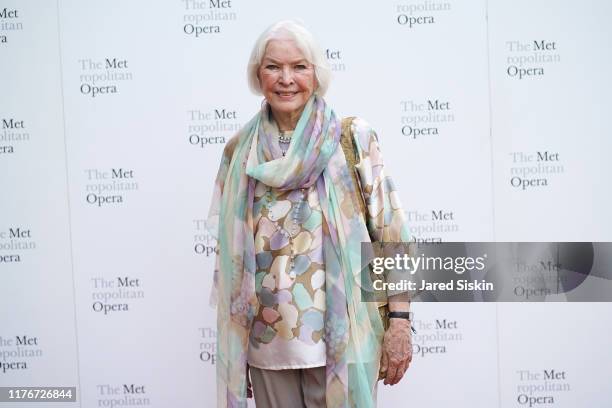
[[114, 114]]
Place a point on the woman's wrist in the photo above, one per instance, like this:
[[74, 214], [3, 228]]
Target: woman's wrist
[[400, 317]]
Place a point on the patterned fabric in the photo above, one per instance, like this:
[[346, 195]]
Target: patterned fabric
[[287, 330], [353, 329]]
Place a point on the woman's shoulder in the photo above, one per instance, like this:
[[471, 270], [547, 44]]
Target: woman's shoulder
[[233, 141], [360, 123], [230, 145], [363, 133]]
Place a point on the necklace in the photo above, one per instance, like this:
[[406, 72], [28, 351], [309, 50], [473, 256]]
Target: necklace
[[297, 218], [283, 142], [284, 139]]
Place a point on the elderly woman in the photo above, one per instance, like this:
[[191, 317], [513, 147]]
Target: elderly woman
[[289, 219]]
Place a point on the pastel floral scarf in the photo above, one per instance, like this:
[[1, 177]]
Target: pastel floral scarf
[[353, 329]]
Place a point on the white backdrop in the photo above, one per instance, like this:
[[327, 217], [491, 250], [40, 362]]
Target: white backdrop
[[113, 119]]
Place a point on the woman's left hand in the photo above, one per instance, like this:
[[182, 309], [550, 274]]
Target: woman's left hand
[[396, 351]]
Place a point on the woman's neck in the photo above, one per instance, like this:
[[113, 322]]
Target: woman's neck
[[286, 121]]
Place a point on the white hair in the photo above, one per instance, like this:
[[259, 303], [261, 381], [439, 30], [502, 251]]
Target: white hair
[[304, 40]]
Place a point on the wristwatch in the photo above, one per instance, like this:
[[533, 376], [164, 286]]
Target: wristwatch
[[403, 315]]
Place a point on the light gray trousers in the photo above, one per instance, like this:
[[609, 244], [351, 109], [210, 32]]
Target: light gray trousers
[[300, 388]]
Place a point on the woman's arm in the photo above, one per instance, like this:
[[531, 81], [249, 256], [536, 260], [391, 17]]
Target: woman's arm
[[386, 222]]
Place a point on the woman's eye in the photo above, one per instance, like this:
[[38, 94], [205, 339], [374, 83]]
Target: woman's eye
[[271, 67], [301, 66]]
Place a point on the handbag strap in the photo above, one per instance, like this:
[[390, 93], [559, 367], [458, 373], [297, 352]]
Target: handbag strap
[[352, 159]]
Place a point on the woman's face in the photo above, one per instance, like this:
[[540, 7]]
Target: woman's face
[[287, 80]]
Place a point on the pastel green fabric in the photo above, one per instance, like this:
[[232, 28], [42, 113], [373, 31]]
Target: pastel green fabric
[[353, 329]]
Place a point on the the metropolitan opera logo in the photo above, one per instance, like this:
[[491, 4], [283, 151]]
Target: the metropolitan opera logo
[[122, 395], [19, 352], [203, 19], [432, 226], [108, 187], [530, 59], [208, 345], [534, 169], [211, 126], [13, 132], [104, 76], [541, 387], [425, 118], [16, 244], [9, 23], [413, 14], [115, 295], [437, 336]]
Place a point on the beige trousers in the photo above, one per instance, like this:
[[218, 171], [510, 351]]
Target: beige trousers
[[300, 388]]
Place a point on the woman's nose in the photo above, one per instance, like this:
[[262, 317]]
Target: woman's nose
[[286, 75]]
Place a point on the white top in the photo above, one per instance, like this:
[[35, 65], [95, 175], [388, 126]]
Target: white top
[[288, 331]]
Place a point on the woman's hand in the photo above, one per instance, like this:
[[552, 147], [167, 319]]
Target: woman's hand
[[396, 351]]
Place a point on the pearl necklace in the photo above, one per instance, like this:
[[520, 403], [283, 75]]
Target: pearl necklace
[[284, 139], [294, 229]]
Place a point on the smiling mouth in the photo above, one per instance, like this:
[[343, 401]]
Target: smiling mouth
[[286, 94]]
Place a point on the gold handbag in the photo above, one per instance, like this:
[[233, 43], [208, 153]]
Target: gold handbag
[[352, 159]]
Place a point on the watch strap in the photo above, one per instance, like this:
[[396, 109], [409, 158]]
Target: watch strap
[[403, 315], [400, 315]]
